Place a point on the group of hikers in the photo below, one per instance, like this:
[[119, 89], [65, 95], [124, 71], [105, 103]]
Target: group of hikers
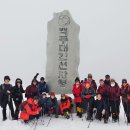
[[90, 101]]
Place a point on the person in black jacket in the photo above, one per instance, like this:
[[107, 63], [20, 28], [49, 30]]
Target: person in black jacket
[[53, 104], [100, 108], [18, 95], [6, 97]]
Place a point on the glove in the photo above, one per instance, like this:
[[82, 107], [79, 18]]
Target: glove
[[88, 96], [103, 112], [94, 110]]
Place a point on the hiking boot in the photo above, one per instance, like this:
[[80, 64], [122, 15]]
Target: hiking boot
[[4, 119]]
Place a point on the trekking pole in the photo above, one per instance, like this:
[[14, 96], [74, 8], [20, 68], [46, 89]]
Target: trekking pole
[[89, 124], [49, 121], [125, 116], [36, 125]]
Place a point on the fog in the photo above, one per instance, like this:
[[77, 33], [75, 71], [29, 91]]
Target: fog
[[104, 37]]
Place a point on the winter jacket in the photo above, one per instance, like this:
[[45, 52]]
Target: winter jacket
[[18, 93], [30, 109], [42, 87], [65, 104], [4, 96], [88, 93], [31, 91], [114, 93], [99, 105], [77, 93], [44, 103], [93, 85], [53, 102], [104, 91], [125, 92]]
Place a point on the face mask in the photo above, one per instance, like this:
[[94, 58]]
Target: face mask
[[112, 84]]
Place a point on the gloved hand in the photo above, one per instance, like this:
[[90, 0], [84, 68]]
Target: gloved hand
[[103, 112], [88, 96]]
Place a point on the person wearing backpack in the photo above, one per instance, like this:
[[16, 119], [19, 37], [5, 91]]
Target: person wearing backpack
[[6, 97], [30, 109], [17, 95]]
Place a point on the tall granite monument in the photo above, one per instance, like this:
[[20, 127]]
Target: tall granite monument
[[62, 52]]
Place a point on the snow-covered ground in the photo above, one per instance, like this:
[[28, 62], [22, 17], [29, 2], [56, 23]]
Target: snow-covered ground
[[64, 124]]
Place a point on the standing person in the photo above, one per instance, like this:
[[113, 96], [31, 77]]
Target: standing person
[[6, 97], [54, 105], [32, 90], [77, 90], [88, 94], [103, 89], [93, 83], [114, 100], [107, 80], [125, 93], [42, 86], [17, 95]]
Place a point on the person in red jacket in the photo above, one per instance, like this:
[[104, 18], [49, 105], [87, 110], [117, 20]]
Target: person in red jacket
[[77, 90], [103, 89], [65, 106], [125, 93], [29, 109], [114, 98], [32, 90]]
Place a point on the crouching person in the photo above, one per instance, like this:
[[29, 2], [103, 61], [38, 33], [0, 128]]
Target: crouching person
[[29, 109], [65, 106], [100, 109], [53, 109], [44, 103]]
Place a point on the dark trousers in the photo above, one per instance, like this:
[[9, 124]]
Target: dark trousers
[[17, 103], [88, 106], [10, 104], [115, 109]]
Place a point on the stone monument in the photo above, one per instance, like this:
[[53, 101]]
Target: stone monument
[[62, 52]]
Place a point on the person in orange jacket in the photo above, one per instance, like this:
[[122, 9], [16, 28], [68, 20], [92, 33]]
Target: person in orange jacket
[[29, 109], [65, 106], [77, 90]]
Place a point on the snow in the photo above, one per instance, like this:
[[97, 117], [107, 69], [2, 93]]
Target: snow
[[63, 124]]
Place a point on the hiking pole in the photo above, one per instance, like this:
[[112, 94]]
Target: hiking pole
[[89, 124], [36, 125], [49, 121]]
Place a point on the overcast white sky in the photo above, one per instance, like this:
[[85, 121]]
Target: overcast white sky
[[104, 36]]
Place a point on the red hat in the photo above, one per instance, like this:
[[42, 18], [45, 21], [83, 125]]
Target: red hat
[[87, 82], [52, 94], [101, 80]]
